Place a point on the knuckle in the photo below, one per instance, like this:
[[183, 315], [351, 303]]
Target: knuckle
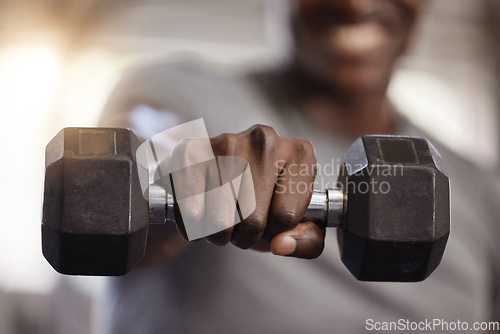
[[190, 150], [249, 232], [285, 220], [304, 148], [225, 144], [187, 144], [220, 238], [262, 128], [263, 135], [253, 225]]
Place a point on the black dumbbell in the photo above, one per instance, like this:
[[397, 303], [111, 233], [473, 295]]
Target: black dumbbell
[[95, 217]]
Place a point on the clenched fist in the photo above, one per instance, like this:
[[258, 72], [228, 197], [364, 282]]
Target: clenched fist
[[246, 188]]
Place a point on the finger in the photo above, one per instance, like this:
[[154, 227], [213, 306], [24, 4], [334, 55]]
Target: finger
[[254, 200], [250, 230], [221, 212], [306, 240], [188, 188], [258, 145], [292, 194], [184, 174], [256, 190]]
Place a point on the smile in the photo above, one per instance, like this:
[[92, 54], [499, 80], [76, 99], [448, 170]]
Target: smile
[[357, 39]]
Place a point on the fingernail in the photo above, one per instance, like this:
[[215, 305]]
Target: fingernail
[[287, 246]]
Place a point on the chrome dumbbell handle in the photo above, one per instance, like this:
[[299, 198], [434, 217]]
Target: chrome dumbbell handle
[[326, 207], [161, 205]]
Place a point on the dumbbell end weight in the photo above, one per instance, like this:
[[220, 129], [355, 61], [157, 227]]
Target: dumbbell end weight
[[398, 230], [95, 217]]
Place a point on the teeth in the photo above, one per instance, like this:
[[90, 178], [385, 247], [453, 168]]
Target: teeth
[[361, 37]]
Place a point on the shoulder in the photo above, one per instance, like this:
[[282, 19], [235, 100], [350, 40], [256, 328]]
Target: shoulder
[[169, 84], [177, 72]]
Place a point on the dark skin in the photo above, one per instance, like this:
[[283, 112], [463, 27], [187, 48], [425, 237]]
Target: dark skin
[[343, 56], [342, 84]]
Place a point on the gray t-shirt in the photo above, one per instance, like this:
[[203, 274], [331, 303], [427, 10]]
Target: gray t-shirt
[[211, 289]]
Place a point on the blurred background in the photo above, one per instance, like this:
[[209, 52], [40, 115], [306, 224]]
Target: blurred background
[[60, 59]]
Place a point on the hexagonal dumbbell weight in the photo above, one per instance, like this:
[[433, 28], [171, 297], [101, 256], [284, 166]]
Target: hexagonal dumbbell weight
[[95, 217], [392, 206]]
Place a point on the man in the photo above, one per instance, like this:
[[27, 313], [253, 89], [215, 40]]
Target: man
[[331, 90]]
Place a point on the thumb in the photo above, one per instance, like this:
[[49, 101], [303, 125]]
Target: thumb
[[306, 240]]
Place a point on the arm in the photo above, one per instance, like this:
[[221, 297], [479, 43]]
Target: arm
[[275, 222]]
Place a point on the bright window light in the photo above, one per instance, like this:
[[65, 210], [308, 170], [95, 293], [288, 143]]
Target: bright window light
[[29, 80]]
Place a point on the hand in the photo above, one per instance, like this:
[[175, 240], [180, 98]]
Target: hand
[[282, 174]]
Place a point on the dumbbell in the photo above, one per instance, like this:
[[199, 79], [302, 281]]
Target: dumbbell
[[95, 217]]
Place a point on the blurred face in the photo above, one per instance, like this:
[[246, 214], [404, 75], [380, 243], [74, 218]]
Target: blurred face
[[352, 44]]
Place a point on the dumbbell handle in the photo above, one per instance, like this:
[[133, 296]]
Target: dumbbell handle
[[326, 207]]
